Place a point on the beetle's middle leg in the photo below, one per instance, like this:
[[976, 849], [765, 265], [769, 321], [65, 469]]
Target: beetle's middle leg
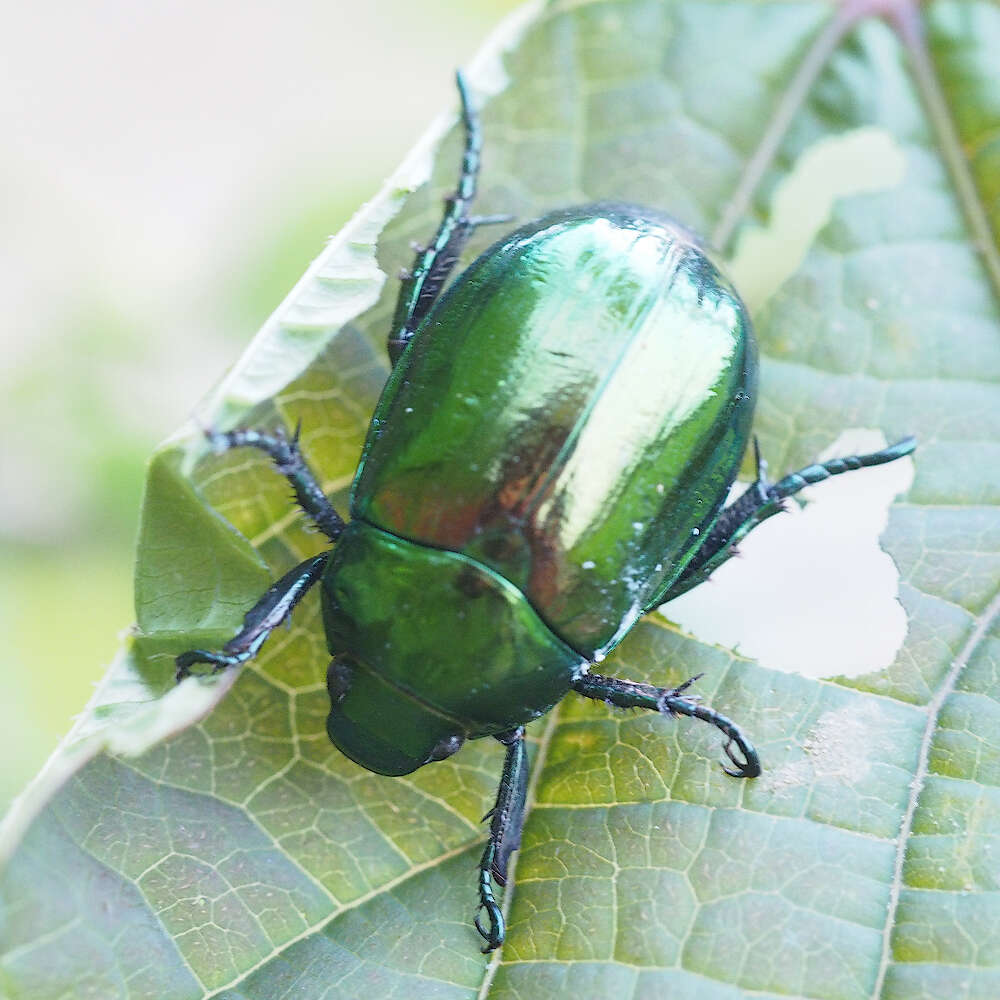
[[506, 819], [761, 500], [671, 701]]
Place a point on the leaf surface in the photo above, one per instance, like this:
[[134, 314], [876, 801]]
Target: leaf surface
[[207, 841]]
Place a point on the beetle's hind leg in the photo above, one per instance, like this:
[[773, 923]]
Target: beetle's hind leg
[[433, 263], [631, 694], [289, 462], [260, 621], [506, 820], [763, 499]]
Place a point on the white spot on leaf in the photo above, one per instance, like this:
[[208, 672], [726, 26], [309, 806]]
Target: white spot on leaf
[[839, 748], [857, 162]]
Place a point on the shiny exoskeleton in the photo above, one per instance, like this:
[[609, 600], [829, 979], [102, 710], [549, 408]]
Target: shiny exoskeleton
[[549, 461]]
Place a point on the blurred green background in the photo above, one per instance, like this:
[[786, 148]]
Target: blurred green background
[[168, 173]]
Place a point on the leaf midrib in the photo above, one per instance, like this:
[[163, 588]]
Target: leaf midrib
[[813, 63], [956, 161]]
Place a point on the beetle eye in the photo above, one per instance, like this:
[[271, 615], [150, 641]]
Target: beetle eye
[[338, 679]]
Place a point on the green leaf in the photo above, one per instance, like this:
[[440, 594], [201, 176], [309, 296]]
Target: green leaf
[[206, 840]]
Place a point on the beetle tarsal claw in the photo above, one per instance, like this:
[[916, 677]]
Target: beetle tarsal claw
[[218, 440], [495, 934], [748, 766]]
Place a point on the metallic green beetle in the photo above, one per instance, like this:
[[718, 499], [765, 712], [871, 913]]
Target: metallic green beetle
[[548, 462]]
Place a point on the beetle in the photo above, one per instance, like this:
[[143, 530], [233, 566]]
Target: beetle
[[549, 460]]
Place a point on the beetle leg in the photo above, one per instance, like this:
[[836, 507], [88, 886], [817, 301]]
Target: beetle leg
[[475, 221], [434, 263], [761, 500], [506, 819], [260, 621], [631, 694], [289, 462]]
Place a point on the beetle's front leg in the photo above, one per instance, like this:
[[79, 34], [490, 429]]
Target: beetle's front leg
[[631, 694], [260, 621], [506, 820]]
